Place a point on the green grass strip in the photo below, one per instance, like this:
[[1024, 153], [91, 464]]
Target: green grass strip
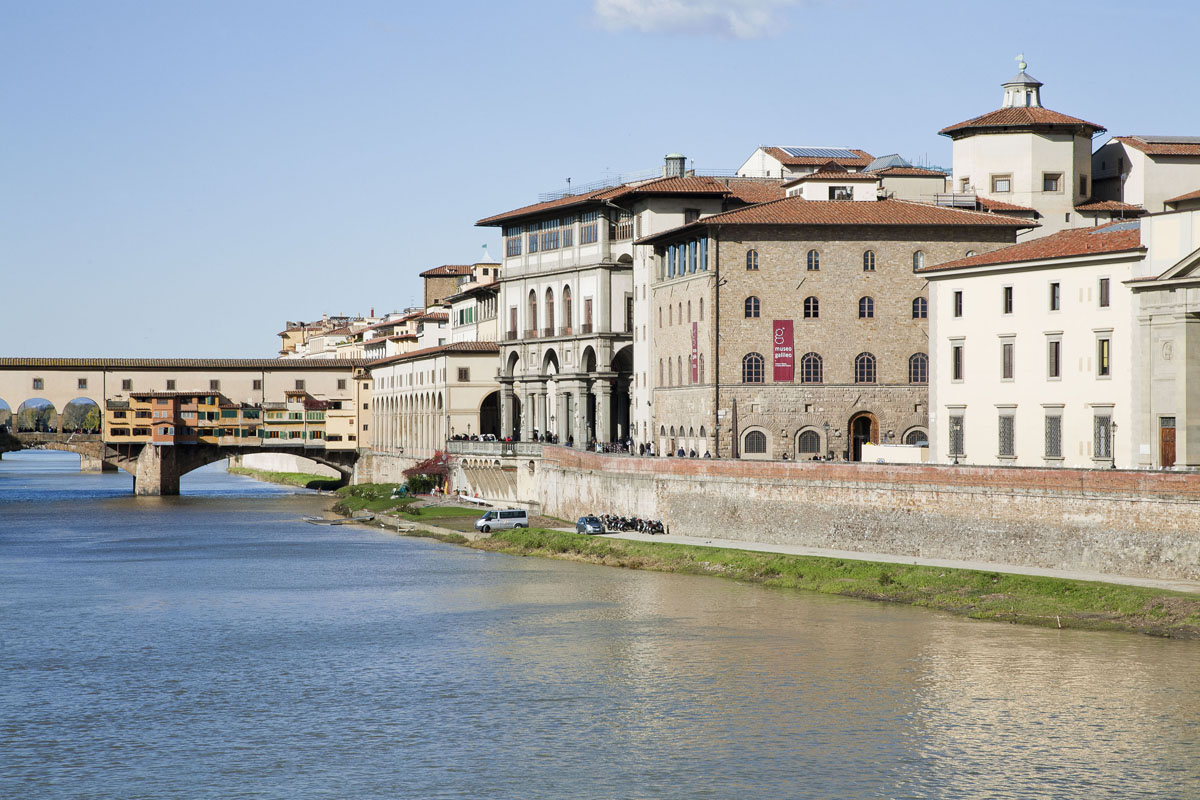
[[302, 479], [1024, 599]]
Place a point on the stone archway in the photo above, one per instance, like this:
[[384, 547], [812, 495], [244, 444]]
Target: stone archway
[[863, 427]]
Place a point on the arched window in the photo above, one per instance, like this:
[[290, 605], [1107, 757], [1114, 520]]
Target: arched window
[[702, 371], [970, 253], [918, 368], [756, 443], [864, 368], [751, 259], [660, 372], [812, 308], [689, 310], [917, 437], [810, 368], [918, 259], [866, 308], [752, 368], [702, 309], [808, 442], [682, 377], [549, 312], [662, 431], [660, 316], [680, 313], [670, 372], [869, 261], [920, 308], [533, 311], [566, 317], [814, 261], [670, 315], [752, 307]]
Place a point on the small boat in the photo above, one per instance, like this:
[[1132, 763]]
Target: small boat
[[339, 520]]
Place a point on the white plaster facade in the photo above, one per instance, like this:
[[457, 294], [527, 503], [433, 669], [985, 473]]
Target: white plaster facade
[[1125, 172]]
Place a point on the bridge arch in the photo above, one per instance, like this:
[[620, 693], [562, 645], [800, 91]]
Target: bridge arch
[[6, 413], [37, 415], [82, 415]]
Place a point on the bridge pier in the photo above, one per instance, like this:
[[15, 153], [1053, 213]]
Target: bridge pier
[[89, 464], [157, 472]]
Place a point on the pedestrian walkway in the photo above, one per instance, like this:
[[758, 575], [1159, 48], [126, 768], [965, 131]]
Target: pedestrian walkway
[[854, 555]]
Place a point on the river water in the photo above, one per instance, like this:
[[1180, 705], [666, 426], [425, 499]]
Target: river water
[[214, 645]]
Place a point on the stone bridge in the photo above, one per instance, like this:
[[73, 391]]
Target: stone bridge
[[156, 469], [261, 383]]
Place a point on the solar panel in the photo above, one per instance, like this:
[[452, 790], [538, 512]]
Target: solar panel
[[1166, 139], [819, 152]]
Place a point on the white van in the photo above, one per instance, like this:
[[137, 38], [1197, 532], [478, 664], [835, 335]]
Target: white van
[[503, 520]]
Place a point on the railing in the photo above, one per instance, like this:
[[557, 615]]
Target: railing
[[531, 334], [510, 336], [955, 199], [497, 449], [564, 330], [587, 327], [621, 231], [548, 332]]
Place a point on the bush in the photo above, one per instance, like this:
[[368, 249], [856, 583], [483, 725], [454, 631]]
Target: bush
[[422, 484]]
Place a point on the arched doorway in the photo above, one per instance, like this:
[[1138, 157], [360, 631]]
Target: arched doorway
[[489, 415], [864, 427]]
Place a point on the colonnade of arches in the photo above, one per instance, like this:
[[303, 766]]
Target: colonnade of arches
[[409, 424], [39, 415]]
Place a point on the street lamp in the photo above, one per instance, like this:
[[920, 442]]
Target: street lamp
[[1112, 443], [956, 438]]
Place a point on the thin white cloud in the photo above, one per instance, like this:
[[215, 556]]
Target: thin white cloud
[[739, 19]]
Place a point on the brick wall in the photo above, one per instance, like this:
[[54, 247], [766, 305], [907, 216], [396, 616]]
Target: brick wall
[[1115, 522]]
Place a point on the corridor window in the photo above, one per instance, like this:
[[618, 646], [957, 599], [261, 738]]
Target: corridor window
[[39, 383], [82, 383], [1051, 181], [756, 442]]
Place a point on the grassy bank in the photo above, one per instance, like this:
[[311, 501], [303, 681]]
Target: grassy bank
[[304, 480], [1024, 599], [377, 497]]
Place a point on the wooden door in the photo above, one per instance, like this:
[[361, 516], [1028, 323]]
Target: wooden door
[[1166, 441]]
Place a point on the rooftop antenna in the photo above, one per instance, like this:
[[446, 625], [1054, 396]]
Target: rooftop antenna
[[568, 186]]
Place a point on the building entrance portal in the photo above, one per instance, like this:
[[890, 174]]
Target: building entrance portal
[[864, 428]]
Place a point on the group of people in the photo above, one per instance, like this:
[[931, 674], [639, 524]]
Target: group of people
[[473, 437]]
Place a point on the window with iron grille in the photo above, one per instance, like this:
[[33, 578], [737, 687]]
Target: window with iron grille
[[1007, 435], [1102, 436], [1053, 436], [809, 442], [752, 368], [756, 442], [810, 368], [958, 303], [957, 434]]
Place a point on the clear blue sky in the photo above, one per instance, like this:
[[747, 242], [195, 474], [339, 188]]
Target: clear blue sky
[[181, 178]]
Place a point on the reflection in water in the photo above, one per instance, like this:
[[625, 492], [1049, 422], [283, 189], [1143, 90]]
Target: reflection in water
[[212, 646]]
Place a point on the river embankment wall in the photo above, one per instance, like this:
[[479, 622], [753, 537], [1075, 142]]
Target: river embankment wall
[[1114, 522]]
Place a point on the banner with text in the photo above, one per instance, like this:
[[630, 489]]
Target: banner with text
[[781, 345]]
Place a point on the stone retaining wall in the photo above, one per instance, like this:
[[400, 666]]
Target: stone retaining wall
[[1116, 522]]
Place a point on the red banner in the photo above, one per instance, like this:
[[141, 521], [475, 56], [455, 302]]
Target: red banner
[[695, 348], [784, 357]]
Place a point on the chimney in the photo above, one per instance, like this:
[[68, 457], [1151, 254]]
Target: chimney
[[675, 165]]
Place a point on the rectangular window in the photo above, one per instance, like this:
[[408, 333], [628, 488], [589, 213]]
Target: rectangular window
[[1008, 352], [512, 241], [841, 193], [257, 385], [1008, 300], [1054, 435], [956, 362], [1055, 296], [958, 303], [170, 385], [1051, 181], [1103, 293], [567, 225], [690, 215], [1104, 357], [587, 315], [1002, 183], [532, 247], [299, 386], [1083, 186], [1102, 436], [957, 434], [589, 230], [126, 385], [214, 386], [1007, 436], [82, 383], [464, 374], [1054, 359], [341, 383], [704, 254]]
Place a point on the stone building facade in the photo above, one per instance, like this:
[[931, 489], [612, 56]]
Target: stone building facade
[[798, 328]]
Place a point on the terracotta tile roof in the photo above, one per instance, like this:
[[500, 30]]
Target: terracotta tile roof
[[841, 175], [1109, 205], [447, 269], [1189, 196], [988, 204], [285, 364], [1116, 237], [1019, 117], [538, 208], [1152, 147], [782, 157], [435, 316], [755, 191], [798, 211], [451, 348], [916, 172]]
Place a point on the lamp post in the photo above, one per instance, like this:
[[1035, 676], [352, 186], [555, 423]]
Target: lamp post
[[1112, 443], [956, 439]]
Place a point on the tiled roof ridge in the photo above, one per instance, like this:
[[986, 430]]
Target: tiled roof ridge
[[1107, 205], [1189, 196], [1070, 243], [1019, 116], [451, 347]]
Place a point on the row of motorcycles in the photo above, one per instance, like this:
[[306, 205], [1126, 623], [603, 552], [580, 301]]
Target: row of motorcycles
[[614, 523]]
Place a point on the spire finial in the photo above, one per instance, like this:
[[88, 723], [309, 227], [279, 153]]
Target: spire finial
[[1021, 62]]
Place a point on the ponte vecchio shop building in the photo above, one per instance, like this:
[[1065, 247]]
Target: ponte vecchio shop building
[[798, 328]]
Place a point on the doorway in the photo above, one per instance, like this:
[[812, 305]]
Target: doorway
[[1166, 441], [864, 427]]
